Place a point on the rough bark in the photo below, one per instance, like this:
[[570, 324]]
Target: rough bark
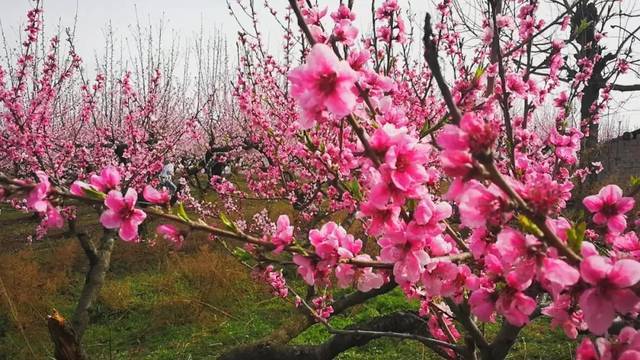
[[67, 345], [278, 338], [501, 345], [403, 322], [99, 261]]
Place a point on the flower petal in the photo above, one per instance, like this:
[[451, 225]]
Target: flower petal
[[110, 219], [625, 273], [595, 268], [593, 203], [128, 231], [598, 311], [114, 201]]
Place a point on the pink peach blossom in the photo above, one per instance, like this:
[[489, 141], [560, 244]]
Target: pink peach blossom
[[37, 198], [609, 207], [324, 81], [108, 179], [154, 196], [610, 291], [122, 214], [283, 235], [406, 252], [170, 233]]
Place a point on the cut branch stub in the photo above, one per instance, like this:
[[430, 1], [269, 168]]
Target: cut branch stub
[[67, 345]]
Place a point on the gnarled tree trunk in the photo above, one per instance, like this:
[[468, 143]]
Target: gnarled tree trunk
[[67, 336]]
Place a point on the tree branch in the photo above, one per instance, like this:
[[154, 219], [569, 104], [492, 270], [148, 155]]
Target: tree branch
[[93, 283], [623, 88], [405, 323], [431, 56]]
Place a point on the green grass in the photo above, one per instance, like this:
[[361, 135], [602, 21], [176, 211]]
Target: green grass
[[159, 303]]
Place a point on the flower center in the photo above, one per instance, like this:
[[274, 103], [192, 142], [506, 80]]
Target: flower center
[[402, 163], [609, 210], [126, 213], [327, 82]]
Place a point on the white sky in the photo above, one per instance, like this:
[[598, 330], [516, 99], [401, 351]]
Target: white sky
[[185, 17]]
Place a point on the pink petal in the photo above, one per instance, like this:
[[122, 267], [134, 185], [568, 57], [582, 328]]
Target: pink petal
[[40, 205], [110, 219], [617, 224], [137, 216], [131, 197], [595, 268], [128, 231], [401, 180], [600, 219], [152, 195], [558, 271], [321, 57], [624, 300], [114, 201], [593, 203], [77, 188], [610, 194], [598, 311], [630, 355], [341, 103], [625, 205], [283, 221], [110, 176], [54, 219], [452, 138], [625, 273]]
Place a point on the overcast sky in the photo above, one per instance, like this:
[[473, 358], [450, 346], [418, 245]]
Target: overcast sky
[[185, 17]]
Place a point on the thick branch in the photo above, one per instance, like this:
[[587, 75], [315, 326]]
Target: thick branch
[[398, 322], [623, 88], [85, 242], [358, 297], [98, 267]]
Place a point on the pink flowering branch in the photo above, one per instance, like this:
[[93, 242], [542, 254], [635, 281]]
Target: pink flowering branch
[[12, 185], [550, 236]]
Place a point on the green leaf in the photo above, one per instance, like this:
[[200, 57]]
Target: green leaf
[[310, 145], [227, 222], [584, 25], [528, 226], [634, 181], [94, 194], [575, 236], [479, 72], [354, 188], [241, 254], [427, 129], [411, 204], [182, 214]]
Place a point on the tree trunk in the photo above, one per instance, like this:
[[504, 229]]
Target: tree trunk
[[99, 261], [67, 336], [66, 342]]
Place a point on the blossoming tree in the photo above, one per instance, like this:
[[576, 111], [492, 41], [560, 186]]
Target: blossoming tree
[[58, 127], [466, 204]]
